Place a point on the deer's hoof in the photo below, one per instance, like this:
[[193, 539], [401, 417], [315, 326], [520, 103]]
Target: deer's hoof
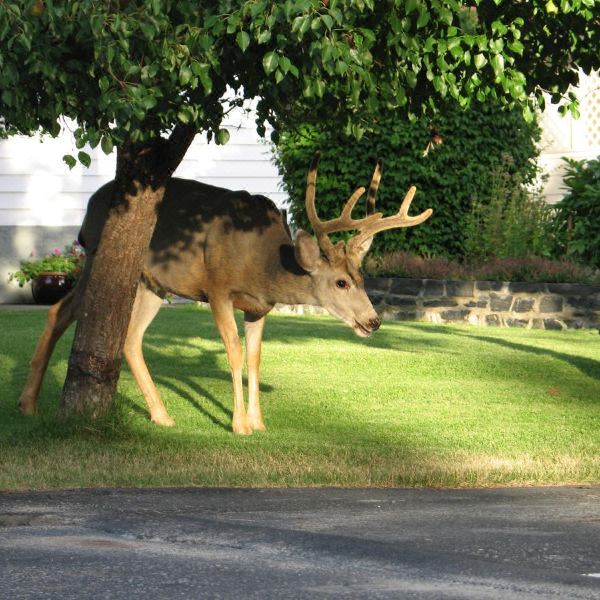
[[164, 421], [26, 407], [242, 428], [257, 425]]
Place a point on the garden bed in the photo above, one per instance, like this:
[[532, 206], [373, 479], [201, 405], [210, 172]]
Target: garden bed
[[507, 304]]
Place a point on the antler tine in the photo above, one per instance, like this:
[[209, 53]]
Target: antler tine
[[374, 187], [311, 211], [400, 219], [344, 222]]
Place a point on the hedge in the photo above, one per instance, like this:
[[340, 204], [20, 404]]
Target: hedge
[[449, 177]]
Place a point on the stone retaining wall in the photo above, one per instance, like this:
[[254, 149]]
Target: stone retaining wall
[[507, 304]]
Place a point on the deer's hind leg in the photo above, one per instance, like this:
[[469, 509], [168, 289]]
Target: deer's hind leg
[[60, 316], [145, 308]]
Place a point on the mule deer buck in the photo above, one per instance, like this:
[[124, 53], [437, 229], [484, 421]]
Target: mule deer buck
[[233, 250]]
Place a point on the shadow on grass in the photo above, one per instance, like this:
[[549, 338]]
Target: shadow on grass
[[587, 366], [183, 393]]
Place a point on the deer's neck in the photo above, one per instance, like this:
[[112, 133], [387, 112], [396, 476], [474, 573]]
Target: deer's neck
[[290, 283]]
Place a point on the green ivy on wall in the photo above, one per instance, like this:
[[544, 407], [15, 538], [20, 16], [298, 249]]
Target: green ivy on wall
[[449, 177]]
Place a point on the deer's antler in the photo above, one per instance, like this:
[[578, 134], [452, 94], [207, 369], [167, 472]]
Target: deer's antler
[[374, 187], [368, 226], [344, 222], [400, 219]]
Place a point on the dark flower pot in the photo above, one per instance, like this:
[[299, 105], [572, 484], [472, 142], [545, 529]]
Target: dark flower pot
[[49, 288]]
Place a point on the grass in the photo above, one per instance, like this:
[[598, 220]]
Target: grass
[[414, 405]]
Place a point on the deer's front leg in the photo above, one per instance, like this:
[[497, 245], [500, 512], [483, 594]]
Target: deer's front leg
[[223, 314], [253, 328]]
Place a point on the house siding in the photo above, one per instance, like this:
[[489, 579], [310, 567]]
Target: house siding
[[42, 203]]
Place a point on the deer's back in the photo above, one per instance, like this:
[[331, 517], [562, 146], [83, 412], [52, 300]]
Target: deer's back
[[205, 236]]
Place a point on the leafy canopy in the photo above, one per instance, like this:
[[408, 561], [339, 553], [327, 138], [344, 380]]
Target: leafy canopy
[[134, 69]]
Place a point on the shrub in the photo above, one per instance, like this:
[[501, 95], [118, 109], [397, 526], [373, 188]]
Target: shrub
[[404, 264], [449, 178], [578, 213], [513, 221]]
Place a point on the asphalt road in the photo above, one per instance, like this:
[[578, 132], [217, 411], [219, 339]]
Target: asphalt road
[[541, 543]]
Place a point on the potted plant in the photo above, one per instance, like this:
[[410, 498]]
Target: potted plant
[[53, 275]]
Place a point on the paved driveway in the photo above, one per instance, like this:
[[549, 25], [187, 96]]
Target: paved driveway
[[311, 543]]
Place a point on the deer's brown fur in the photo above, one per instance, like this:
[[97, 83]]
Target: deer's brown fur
[[233, 250]]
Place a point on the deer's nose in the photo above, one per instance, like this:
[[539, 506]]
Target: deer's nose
[[374, 324]]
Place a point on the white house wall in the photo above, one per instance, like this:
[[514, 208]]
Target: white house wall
[[42, 203], [562, 137]]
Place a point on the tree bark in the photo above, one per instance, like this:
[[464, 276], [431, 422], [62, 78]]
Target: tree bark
[[96, 354]]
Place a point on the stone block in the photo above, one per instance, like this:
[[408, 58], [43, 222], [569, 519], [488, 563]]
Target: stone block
[[527, 287], [440, 302], [433, 287], [591, 302], [517, 322], [375, 296], [460, 288], [576, 289], [481, 303], [381, 284], [394, 300], [522, 305], [551, 304], [403, 315], [500, 303], [486, 286], [406, 287], [455, 315]]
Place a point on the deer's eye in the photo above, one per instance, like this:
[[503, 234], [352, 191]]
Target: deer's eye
[[342, 284]]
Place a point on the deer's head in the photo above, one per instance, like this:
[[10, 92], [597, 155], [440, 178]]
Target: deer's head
[[335, 268]]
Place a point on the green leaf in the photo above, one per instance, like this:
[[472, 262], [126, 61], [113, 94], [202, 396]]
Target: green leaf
[[264, 36], [328, 21], [497, 62], [243, 40], [257, 8], [411, 5], [202, 70], [270, 62], [106, 144], [222, 137], [84, 159], [184, 115], [516, 46], [70, 160], [424, 17], [185, 75], [319, 87], [480, 61]]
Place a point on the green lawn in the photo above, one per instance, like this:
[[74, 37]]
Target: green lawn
[[414, 405]]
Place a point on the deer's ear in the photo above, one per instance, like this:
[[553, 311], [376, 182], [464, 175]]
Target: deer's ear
[[307, 251], [359, 252]]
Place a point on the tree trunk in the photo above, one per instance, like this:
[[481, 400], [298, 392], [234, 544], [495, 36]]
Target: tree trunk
[[96, 354]]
